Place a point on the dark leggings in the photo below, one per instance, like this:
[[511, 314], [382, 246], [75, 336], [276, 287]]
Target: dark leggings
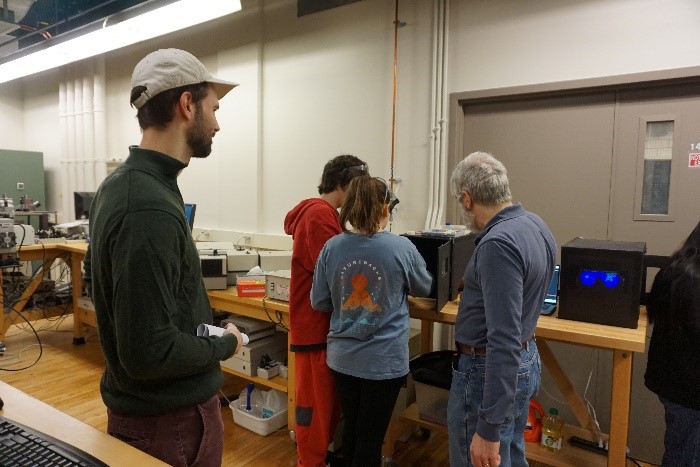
[[367, 406]]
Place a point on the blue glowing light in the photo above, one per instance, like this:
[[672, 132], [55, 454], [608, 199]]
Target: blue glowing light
[[611, 280], [588, 277]]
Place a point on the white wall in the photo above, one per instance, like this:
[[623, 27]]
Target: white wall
[[500, 43], [11, 121], [311, 88], [40, 123]]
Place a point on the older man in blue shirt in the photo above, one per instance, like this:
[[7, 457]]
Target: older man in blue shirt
[[498, 369]]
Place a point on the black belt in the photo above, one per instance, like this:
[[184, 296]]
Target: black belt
[[469, 350]]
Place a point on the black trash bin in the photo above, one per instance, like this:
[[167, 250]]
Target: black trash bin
[[432, 374]]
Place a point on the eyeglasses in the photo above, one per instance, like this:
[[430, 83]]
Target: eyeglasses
[[389, 197]]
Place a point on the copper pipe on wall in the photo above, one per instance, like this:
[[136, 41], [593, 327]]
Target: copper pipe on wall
[[393, 99]]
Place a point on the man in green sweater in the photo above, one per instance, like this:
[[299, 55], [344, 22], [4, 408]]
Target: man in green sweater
[[161, 380]]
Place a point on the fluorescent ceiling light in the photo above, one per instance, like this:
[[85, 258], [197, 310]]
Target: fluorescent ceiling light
[[154, 23]]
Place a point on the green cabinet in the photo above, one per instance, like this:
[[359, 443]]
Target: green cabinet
[[22, 174]]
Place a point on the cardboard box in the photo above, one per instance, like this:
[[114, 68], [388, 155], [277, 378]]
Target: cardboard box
[[250, 286]]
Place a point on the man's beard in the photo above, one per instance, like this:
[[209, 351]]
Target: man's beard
[[198, 138], [469, 220]]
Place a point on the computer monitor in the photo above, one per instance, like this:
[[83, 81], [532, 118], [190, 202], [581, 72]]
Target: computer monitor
[[190, 209], [551, 299], [553, 291], [82, 201]]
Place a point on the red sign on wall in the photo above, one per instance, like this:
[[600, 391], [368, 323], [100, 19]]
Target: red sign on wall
[[694, 159]]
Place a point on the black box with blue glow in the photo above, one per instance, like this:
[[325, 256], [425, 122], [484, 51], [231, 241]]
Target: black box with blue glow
[[601, 281]]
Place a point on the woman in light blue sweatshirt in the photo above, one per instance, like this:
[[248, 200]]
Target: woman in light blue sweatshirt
[[363, 277]]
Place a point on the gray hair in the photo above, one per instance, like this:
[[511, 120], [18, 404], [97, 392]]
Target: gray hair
[[484, 177]]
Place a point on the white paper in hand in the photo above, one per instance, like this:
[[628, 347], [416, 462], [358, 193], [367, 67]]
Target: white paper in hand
[[207, 330]]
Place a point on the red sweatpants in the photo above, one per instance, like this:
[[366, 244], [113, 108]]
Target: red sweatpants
[[317, 407]]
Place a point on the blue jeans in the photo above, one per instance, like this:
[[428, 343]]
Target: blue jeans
[[682, 438], [466, 394]]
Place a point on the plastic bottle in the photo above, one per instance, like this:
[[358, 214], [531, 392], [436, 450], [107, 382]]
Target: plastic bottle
[[273, 402], [552, 430], [249, 392], [250, 400], [533, 427]]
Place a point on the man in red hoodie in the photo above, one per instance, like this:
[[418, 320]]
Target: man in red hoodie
[[311, 223]]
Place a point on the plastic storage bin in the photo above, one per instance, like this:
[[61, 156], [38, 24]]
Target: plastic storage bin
[[432, 374], [254, 421], [268, 411]]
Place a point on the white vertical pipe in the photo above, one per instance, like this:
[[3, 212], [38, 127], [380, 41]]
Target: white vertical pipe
[[433, 110], [443, 117], [438, 120], [449, 337], [88, 126], [439, 86], [439, 331], [100, 122], [79, 143], [443, 335], [70, 141], [66, 190]]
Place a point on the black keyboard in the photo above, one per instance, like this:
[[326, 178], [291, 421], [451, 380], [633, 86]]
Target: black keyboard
[[24, 446]]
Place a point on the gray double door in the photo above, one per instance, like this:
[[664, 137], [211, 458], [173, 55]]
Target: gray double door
[[584, 160], [577, 159]]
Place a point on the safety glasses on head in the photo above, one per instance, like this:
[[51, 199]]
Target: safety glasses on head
[[360, 167], [389, 197]]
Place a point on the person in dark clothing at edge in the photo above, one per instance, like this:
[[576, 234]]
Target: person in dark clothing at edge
[[673, 366], [498, 367], [311, 223], [161, 380]]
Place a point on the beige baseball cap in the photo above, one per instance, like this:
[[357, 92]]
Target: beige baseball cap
[[168, 69]]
